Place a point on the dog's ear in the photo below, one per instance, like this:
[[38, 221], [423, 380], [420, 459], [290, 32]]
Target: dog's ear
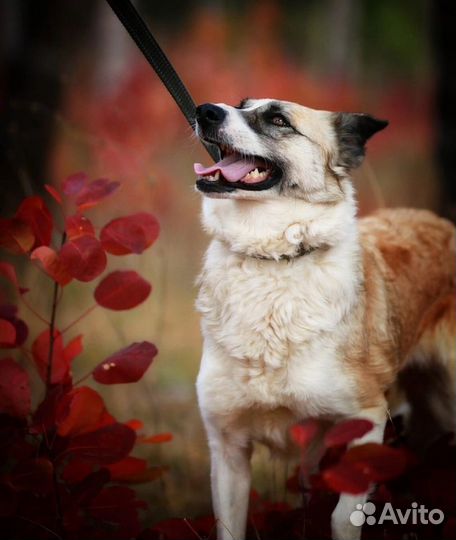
[[352, 131]]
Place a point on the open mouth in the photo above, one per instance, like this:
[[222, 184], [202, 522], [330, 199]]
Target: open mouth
[[236, 171]]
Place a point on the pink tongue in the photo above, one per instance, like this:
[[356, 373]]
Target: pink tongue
[[233, 167]]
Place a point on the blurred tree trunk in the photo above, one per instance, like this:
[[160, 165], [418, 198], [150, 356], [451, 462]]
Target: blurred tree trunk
[[444, 40], [344, 37], [38, 43]]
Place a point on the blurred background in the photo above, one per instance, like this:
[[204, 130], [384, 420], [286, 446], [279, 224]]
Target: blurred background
[[76, 95]]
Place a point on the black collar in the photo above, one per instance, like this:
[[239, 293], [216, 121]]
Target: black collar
[[301, 251]]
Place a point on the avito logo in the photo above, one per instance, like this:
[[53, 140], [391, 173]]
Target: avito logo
[[364, 513]]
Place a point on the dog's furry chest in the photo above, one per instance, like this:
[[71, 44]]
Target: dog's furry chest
[[271, 337], [264, 311]]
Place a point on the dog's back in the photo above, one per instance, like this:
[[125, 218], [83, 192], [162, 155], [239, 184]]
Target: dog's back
[[410, 262], [411, 255]]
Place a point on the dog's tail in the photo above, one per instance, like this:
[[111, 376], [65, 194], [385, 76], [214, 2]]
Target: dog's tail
[[429, 378]]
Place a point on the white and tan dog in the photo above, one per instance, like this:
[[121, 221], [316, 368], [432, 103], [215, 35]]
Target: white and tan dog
[[306, 310]]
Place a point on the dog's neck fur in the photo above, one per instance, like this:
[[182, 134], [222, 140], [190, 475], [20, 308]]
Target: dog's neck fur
[[244, 230], [279, 229]]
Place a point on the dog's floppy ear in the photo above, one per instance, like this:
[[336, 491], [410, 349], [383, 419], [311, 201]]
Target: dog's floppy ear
[[352, 131]]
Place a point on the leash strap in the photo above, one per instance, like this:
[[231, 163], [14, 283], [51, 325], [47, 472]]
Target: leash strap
[[154, 54]]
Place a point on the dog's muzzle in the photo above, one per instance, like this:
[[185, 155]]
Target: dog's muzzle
[[210, 116], [237, 169]]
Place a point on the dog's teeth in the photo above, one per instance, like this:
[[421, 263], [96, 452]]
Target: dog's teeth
[[252, 174], [256, 175], [212, 177]]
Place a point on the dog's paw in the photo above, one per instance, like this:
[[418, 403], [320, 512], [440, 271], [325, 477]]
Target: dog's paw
[[344, 530]]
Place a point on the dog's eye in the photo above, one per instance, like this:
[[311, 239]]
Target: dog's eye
[[279, 121]]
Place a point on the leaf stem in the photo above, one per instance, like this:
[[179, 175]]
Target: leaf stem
[[55, 302], [55, 297], [58, 503], [30, 308], [84, 314], [51, 335], [40, 525], [82, 379]]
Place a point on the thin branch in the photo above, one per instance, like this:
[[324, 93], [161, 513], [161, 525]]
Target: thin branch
[[58, 502], [82, 379], [84, 314], [40, 525], [189, 525], [32, 310], [255, 530], [55, 297], [52, 335], [55, 301], [28, 354]]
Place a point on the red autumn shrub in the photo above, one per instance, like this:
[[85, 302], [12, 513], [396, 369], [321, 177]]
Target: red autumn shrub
[[64, 465], [400, 479]]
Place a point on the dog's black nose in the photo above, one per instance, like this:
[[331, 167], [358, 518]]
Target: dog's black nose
[[209, 115]]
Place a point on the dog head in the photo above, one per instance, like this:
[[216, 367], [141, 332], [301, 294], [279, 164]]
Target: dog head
[[272, 148]]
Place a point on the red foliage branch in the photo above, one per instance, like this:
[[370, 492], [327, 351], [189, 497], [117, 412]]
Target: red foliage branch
[[63, 461]]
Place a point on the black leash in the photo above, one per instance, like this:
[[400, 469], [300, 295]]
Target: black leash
[[136, 27]]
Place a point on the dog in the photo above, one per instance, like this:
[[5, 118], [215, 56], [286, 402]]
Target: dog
[[306, 310]]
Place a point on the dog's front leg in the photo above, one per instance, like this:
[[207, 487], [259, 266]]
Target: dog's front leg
[[342, 527], [230, 481]]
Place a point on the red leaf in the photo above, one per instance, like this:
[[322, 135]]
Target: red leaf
[[90, 487], [135, 424], [7, 334], [8, 271], [122, 289], [77, 226], [74, 183], [81, 411], [35, 213], [378, 461], [130, 234], [60, 363], [43, 419], [16, 236], [15, 396], [83, 258], [76, 471], [33, 475], [104, 446], [148, 475], [347, 431], [127, 365], [112, 498], [304, 432], [156, 439], [8, 313], [346, 478], [21, 331], [91, 194], [118, 505], [73, 349], [53, 193], [204, 527], [127, 468], [52, 264]]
